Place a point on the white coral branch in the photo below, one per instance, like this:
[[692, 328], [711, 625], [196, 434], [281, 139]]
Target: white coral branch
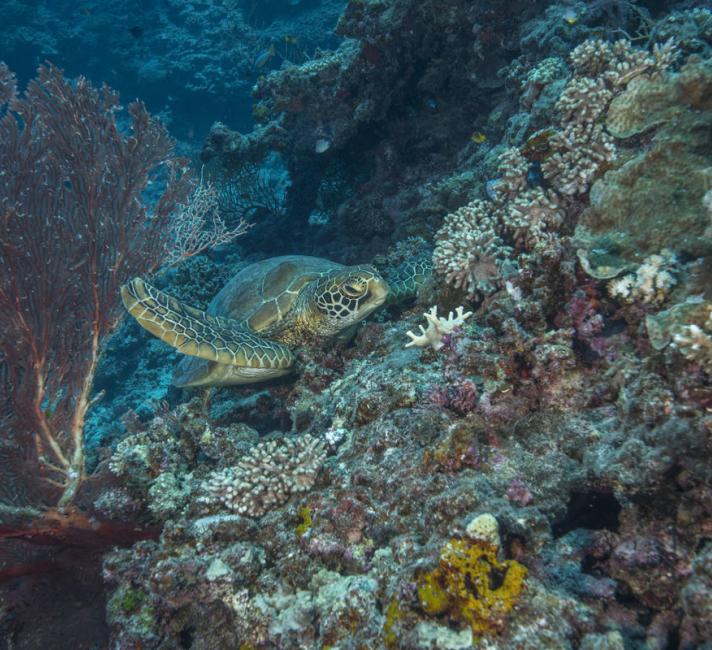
[[438, 327]]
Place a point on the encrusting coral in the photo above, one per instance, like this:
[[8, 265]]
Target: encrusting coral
[[471, 586], [654, 198]]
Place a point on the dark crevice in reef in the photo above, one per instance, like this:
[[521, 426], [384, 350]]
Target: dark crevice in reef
[[591, 510], [187, 637], [645, 614]]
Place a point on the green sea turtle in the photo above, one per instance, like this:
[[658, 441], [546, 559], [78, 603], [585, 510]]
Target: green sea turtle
[[246, 333]]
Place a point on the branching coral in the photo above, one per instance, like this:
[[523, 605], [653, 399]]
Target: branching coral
[[533, 216], [582, 148], [650, 284], [266, 477], [695, 342], [512, 168], [475, 241], [476, 244], [438, 327], [469, 252], [546, 72]]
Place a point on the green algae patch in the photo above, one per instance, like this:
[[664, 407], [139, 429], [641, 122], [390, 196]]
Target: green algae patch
[[394, 613], [127, 601], [306, 521]]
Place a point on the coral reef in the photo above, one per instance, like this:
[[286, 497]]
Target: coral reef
[[531, 471], [621, 226], [532, 474]]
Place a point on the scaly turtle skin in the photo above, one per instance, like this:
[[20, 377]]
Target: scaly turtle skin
[[246, 333]]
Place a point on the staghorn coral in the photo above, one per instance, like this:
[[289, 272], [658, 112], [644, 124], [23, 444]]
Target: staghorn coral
[[266, 477]]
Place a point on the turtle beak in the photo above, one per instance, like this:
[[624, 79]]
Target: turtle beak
[[379, 291]]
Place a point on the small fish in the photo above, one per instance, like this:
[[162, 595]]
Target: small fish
[[290, 40], [432, 103], [570, 16], [478, 137], [491, 188], [136, 31], [263, 59], [322, 145]]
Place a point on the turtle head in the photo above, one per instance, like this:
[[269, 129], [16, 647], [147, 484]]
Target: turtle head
[[349, 295]]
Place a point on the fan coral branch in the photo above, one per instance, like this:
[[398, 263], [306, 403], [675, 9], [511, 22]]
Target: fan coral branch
[[73, 228], [198, 226]]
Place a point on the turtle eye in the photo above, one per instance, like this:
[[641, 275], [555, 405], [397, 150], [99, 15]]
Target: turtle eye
[[353, 289]]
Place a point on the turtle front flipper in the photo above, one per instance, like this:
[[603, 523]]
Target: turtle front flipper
[[198, 334]]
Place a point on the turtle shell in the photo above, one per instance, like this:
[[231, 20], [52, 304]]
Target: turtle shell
[[263, 293]]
